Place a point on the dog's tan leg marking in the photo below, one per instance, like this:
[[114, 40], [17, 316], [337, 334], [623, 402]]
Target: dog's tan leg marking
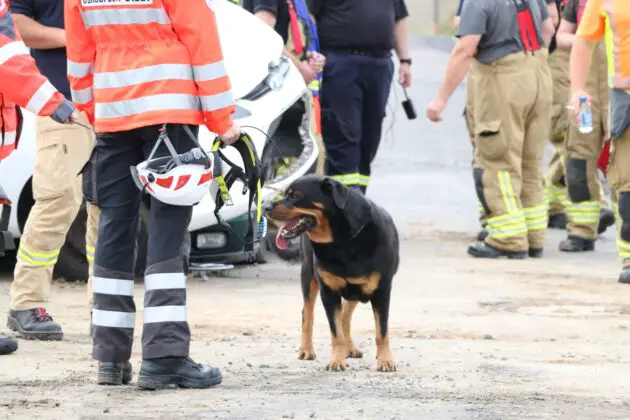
[[307, 352], [384, 358], [346, 319]]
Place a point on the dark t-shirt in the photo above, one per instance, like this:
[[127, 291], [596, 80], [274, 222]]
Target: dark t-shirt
[[357, 24], [51, 63], [571, 11], [278, 8]]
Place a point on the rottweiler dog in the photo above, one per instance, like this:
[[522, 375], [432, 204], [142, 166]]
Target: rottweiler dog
[[350, 251]]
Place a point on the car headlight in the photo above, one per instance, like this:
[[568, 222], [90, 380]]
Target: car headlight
[[211, 240]]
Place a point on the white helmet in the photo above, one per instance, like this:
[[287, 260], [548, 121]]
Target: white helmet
[[176, 179]]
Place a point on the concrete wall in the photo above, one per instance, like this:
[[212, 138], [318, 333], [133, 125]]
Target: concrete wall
[[422, 14]]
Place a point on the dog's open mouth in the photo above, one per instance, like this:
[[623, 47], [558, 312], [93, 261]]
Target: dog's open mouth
[[294, 228]]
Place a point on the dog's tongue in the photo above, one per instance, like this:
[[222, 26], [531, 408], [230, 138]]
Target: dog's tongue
[[282, 243]]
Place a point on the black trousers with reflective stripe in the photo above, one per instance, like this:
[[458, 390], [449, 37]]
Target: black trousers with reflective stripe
[[166, 332], [354, 97]]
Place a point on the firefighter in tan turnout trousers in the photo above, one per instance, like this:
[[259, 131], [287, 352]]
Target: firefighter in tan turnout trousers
[[609, 20], [582, 150], [512, 90], [22, 85], [556, 190], [61, 151]]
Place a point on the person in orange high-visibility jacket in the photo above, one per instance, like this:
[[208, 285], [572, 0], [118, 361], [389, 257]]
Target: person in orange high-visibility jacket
[[134, 66], [22, 85]]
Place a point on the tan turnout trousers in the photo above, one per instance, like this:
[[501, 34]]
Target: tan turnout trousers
[[513, 99], [61, 151], [469, 118], [619, 178], [585, 191], [556, 190]]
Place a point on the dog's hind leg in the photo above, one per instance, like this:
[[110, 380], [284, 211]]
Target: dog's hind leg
[[332, 306], [346, 319], [380, 307]]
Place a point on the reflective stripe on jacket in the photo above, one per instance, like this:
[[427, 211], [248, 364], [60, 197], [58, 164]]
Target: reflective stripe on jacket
[[21, 83], [135, 63]]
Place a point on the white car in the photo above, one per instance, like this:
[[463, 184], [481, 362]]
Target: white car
[[271, 97]]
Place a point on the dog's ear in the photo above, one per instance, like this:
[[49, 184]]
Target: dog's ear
[[337, 191], [356, 210]]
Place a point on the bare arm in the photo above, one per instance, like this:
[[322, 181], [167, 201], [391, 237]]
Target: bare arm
[[580, 63], [548, 29], [38, 36], [401, 38], [566, 35], [553, 12], [458, 64]]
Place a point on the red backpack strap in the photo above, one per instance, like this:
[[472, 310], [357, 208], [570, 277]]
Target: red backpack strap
[[295, 28], [526, 26]]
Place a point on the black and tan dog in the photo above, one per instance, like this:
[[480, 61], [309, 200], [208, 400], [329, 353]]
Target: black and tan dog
[[350, 251]]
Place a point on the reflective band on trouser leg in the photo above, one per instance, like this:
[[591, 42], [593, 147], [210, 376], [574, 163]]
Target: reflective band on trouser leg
[[506, 226], [557, 197], [37, 259], [166, 328], [113, 316], [89, 253], [511, 224], [352, 179], [536, 217], [584, 213]]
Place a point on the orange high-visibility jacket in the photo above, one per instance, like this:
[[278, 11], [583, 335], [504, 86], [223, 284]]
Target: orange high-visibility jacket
[[136, 63], [21, 83]]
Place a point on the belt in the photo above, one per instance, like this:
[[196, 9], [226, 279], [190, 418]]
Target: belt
[[376, 53]]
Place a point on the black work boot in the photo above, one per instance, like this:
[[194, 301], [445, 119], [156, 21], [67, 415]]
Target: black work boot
[[34, 324], [535, 252], [482, 235], [606, 220], [576, 244], [7, 345], [114, 373], [181, 372], [483, 250], [624, 277], [557, 221]]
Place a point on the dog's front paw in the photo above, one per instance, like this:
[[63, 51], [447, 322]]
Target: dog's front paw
[[385, 364], [306, 353], [336, 364], [355, 353]]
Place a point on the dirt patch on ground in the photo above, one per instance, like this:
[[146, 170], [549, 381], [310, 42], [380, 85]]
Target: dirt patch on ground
[[472, 339]]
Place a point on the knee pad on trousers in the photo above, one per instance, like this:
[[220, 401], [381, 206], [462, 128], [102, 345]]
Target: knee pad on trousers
[[624, 212], [478, 177], [577, 182]]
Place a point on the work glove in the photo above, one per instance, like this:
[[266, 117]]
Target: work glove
[[63, 113]]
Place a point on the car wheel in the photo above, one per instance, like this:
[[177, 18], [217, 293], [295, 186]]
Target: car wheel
[[291, 253], [72, 264]]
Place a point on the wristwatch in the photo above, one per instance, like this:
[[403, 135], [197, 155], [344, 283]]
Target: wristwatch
[[405, 61]]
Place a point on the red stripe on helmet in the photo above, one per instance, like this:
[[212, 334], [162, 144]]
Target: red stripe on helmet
[[182, 181], [165, 182], [205, 178]]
